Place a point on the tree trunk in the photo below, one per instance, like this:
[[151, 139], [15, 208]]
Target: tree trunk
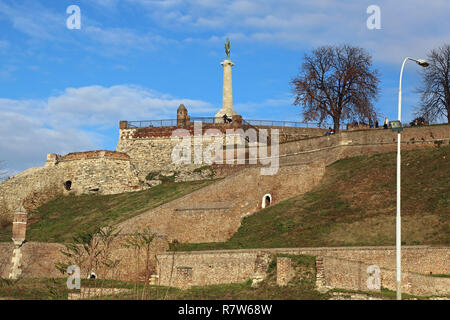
[[336, 124]]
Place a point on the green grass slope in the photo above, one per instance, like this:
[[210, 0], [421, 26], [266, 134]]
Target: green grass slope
[[59, 220], [355, 204]]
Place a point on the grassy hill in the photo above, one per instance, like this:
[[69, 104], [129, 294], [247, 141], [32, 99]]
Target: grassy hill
[[355, 204], [62, 218]]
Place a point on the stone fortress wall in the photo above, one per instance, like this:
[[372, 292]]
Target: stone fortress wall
[[37, 260], [150, 148], [139, 152], [144, 150], [339, 267], [214, 213], [336, 267], [101, 172]]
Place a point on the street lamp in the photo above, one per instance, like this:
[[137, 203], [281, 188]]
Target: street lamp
[[397, 126]]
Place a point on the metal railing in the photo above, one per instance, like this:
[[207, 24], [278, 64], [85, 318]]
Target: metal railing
[[219, 120], [169, 122], [280, 123]]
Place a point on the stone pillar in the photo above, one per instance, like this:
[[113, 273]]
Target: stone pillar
[[227, 93], [52, 159], [284, 271], [19, 228], [237, 122], [182, 116], [123, 124], [262, 261]]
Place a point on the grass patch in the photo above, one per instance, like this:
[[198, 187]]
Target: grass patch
[[439, 275], [59, 220], [383, 293], [200, 169], [355, 205]]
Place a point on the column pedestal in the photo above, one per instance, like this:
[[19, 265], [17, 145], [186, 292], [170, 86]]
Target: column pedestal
[[227, 97]]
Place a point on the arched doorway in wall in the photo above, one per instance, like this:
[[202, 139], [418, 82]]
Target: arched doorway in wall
[[68, 185], [266, 200]]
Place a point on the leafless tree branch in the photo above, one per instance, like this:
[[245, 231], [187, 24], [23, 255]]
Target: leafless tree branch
[[337, 82], [435, 89]]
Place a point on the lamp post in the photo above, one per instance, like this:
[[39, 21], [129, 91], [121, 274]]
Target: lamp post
[[397, 126]]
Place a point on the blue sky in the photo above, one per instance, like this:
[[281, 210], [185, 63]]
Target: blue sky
[[65, 90]]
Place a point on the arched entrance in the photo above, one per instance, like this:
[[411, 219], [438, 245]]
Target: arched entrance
[[68, 185], [266, 200]]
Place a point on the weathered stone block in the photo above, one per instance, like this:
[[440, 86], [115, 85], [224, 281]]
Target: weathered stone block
[[285, 271]]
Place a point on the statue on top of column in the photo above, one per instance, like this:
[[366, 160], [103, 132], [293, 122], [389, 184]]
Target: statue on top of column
[[227, 48]]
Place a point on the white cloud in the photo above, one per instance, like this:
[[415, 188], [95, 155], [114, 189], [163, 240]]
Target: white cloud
[[407, 28], [43, 24], [78, 119], [32, 19]]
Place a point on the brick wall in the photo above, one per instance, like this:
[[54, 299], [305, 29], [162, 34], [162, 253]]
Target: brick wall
[[362, 142], [207, 268], [243, 193], [102, 172], [285, 271], [345, 274], [38, 260], [343, 267], [30, 188]]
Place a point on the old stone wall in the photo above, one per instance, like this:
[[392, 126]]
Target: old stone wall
[[343, 267], [287, 134], [150, 149], [285, 271], [38, 260], [362, 142], [102, 172], [31, 188], [206, 268], [345, 274], [214, 212]]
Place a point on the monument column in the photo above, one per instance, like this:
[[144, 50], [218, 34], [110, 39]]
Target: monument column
[[227, 92]]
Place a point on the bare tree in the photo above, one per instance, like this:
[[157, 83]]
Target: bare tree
[[435, 91], [337, 82]]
